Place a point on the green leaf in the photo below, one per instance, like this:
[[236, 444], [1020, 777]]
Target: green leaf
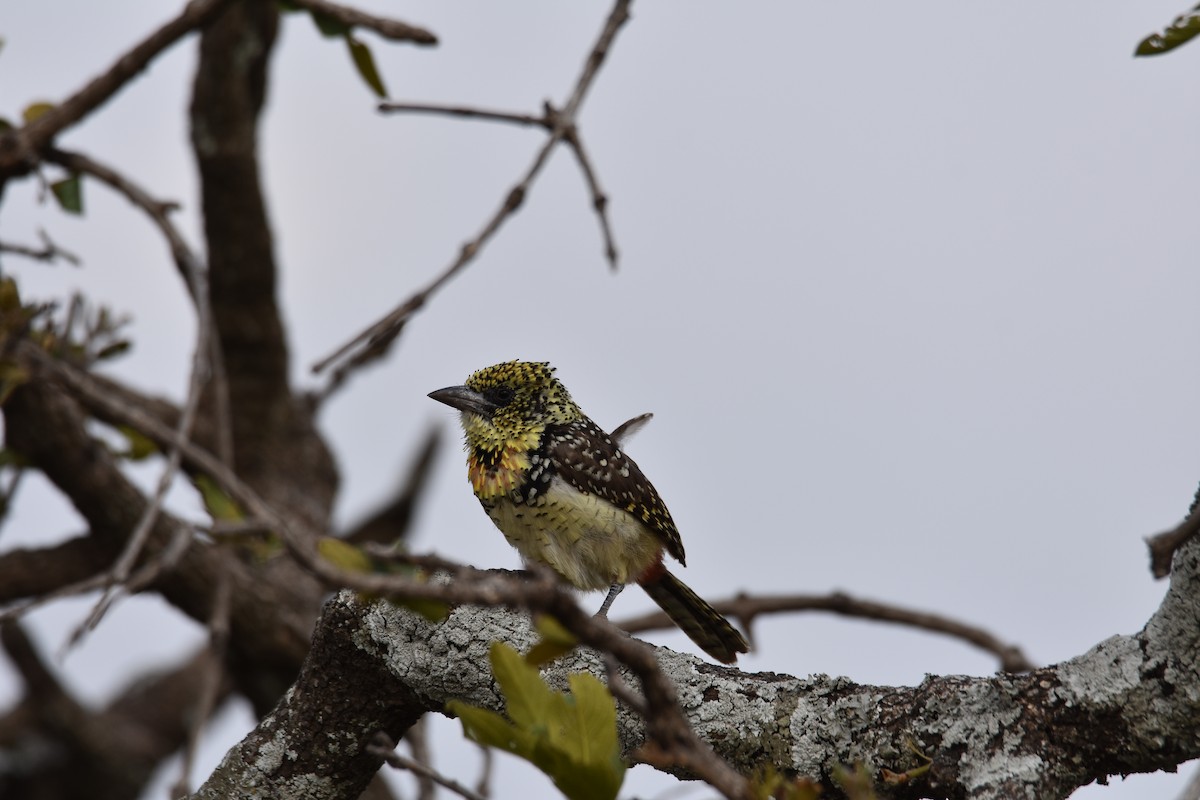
[[329, 26], [141, 446], [69, 193], [6, 125], [364, 62], [288, 7], [529, 701], [1185, 28], [35, 110], [556, 641], [113, 350], [220, 506], [572, 737], [488, 727], [344, 555]]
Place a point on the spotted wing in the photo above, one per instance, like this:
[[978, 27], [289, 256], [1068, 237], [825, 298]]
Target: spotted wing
[[588, 459]]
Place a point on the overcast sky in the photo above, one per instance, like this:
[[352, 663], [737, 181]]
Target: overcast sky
[[909, 287]]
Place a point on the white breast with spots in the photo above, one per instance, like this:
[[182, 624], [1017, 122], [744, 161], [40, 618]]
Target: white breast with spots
[[587, 540]]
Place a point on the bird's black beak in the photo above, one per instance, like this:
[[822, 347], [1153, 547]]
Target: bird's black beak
[[464, 399]]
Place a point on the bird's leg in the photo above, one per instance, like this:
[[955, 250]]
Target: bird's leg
[[613, 591]]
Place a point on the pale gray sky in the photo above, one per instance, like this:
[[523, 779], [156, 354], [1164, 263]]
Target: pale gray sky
[[909, 287]]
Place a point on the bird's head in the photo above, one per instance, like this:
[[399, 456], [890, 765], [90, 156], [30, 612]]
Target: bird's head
[[510, 404]]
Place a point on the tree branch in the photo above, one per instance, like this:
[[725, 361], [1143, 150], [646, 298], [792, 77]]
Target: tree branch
[[18, 148], [279, 451], [1035, 735], [747, 607], [391, 29], [374, 342]]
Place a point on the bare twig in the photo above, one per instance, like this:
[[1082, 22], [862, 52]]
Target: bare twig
[[48, 252], [19, 147], [375, 340], [391, 29], [196, 277], [417, 738], [470, 112], [548, 120], [385, 749], [483, 786], [1163, 545], [747, 607], [620, 689], [210, 685], [159, 211]]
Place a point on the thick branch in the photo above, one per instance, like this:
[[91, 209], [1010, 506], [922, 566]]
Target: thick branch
[[272, 608], [278, 450], [316, 743], [36, 571], [1128, 705]]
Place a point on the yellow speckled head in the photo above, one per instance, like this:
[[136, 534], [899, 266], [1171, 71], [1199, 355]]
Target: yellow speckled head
[[509, 405]]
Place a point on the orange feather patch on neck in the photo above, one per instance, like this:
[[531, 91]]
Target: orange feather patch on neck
[[505, 473]]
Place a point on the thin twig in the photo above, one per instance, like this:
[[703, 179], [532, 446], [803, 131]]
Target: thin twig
[[547, 120], [391, 29], [620, 689], [470, 112], [196, 278], [417, 738], [18, 147], [385, 749], [210, 684], [745, 608], [48, 252], [375, 340], [483, 786], [599, 198]]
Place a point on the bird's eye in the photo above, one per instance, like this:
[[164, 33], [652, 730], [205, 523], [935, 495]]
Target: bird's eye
[[500, 395]]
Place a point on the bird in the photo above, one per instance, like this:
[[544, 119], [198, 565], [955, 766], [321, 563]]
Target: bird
[[565, 495]]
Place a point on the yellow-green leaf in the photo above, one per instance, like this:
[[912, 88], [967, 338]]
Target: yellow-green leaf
[[113, 350], [556, 641], [528, 700], [219, 505], [10, 297], [488, 727], [69, 193], [593, 720], [35, 110], [364, 62], [344, 555], [141, 446], [1184, 28], [12, 375]]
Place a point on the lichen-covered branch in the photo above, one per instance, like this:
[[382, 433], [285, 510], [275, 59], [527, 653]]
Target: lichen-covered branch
[[1127, 705]]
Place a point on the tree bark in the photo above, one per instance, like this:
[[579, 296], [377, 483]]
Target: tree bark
[[1127, 705]]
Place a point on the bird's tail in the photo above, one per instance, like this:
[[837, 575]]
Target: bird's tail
[[695, 617]]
